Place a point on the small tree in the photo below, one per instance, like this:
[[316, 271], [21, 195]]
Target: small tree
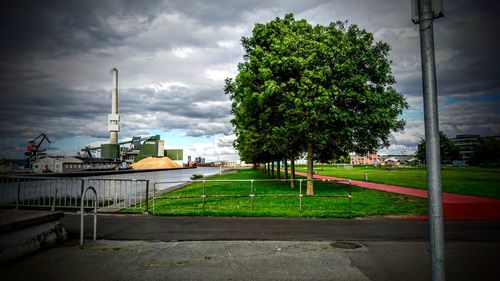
[[487, 150], [449, 150]]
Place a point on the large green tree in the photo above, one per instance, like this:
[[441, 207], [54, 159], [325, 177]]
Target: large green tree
[[487, 150], [322, 90], [448, 149]]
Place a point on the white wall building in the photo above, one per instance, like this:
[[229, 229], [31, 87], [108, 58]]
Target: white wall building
[[57, 164]]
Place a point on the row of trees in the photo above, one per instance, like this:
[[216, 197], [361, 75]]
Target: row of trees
[[448, 149], [323, 91], [486, 150]]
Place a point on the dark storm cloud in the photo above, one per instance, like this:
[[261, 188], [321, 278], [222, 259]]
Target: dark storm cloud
[[468, 37], [63, 27], [229, 11]]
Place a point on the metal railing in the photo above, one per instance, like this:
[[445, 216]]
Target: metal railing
[[82, 213], [251, 194], [46, 192]]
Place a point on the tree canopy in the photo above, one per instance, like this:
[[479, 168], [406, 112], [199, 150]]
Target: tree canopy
[[322, 90], [486, 151], [448, 149]]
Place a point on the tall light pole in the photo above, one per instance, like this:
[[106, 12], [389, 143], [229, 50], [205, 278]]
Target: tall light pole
[[423, 13]]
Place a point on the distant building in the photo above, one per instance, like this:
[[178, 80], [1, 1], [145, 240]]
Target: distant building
[[364, 160], [402, 158], [199, 160], [466, 143], [12, 165], [57, 164]]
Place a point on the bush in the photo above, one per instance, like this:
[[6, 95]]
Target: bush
[[196, 176]]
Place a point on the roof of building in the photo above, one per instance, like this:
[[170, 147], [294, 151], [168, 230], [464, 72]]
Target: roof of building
[[69, 160], [63, 159], [96, 160]]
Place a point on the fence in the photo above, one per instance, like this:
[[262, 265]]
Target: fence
[[46, 192], [252, 195]]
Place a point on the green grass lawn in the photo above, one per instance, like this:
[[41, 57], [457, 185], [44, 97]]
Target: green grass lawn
[[470, 180], [365, 202]]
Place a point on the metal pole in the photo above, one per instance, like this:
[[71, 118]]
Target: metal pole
[[147, 196], [203, 196], [18, 193], [251, 193], [54, 202], [81, 219], [350, 199], [95, 216], [154, 196], [300, 194], [82, 186], [433, 157]]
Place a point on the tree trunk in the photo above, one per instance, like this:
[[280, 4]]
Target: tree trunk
[[292, 163], [286, 169], [268, 169], [272, 169], [279, 169], [310, 183]]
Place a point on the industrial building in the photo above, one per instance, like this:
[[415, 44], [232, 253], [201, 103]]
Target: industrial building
[[466, 143], [108, 156], [138, 148], [57, 164], [176, 155]]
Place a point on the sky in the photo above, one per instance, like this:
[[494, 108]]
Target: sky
[[173, 57]]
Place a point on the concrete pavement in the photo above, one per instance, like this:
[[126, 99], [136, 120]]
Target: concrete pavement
[[253, 260]]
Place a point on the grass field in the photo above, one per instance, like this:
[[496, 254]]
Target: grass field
[[470, 180], [365, 202]]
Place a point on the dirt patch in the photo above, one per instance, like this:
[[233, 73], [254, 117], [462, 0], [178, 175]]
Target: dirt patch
[[155, 163]]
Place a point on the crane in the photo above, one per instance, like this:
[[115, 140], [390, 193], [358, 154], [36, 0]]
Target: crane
[[33, 150]]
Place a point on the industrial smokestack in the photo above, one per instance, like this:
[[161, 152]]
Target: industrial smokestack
[[114, 117]]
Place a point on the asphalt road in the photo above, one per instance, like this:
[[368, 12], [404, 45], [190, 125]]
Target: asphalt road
[[126, 227]]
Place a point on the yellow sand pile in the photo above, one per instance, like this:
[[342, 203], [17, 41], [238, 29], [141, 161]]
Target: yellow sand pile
[[155, 163]]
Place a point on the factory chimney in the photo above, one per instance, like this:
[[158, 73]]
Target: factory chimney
[[114, 117]]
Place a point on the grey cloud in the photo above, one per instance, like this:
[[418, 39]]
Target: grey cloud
[[226, 141], [54, 65], [208, 129], [467, 117], [62, 27], [180, 101]]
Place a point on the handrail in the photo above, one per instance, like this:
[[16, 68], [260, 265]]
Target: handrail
[[84, 192], [64, 178], [41, 193], [252, 194], [258, 180]]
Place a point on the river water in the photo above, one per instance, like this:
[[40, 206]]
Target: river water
[[174, 177], [117, 190]]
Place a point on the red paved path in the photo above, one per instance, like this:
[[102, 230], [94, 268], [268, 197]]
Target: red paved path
[[455, 206]]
